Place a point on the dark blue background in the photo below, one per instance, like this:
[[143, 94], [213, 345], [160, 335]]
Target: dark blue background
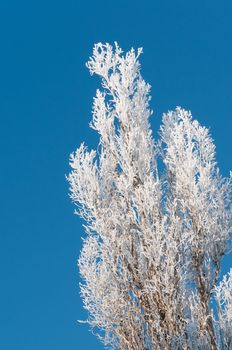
[[45, 106]]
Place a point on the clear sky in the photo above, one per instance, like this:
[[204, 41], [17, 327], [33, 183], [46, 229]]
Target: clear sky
[[45, 107]]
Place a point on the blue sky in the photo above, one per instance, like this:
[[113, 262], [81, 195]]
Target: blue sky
[[45, 107]]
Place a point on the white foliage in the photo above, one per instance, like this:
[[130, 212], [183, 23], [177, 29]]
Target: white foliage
[[223, 294], [151, 258]]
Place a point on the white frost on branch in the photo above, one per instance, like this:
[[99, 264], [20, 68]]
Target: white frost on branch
[[151, 258], [223, 296]]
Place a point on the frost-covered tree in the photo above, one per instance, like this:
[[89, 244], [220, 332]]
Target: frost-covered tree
[[150, 261]]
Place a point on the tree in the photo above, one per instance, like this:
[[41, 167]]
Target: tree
[[150, 262]]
